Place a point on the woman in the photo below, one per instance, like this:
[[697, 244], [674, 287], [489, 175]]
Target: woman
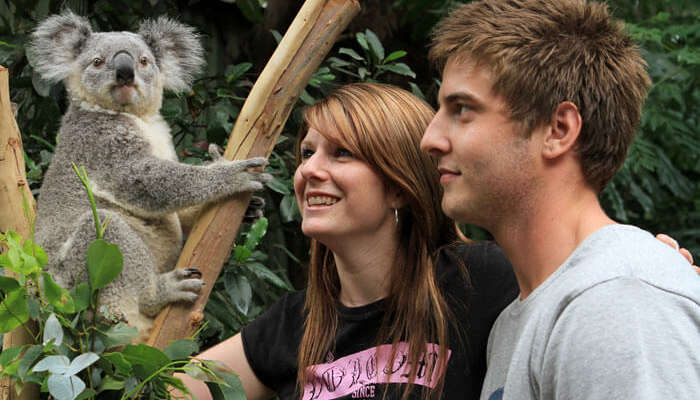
[[377, 314], [389, 306]]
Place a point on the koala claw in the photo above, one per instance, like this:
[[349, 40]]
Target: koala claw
[[192, 272]]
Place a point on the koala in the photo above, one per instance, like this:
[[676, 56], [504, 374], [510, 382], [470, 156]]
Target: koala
[[113, 127]]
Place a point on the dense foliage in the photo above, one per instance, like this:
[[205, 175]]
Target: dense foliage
[[658, 187]]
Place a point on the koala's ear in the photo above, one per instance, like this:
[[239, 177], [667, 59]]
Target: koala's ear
[[177, 49], [56, 43]]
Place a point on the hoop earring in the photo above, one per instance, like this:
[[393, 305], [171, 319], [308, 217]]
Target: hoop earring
[[396, 216]]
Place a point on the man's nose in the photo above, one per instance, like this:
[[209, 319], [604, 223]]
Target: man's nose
[[434, 141]]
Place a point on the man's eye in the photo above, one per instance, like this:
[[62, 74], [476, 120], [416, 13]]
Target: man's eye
[[462, 109]]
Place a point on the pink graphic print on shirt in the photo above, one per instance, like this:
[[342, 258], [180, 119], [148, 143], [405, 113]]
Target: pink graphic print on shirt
[[356, 374]]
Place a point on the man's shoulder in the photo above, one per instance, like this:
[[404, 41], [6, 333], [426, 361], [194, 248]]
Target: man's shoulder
[[625, 251]]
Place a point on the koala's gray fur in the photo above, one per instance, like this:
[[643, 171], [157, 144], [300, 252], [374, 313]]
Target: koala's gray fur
[[115, 81]]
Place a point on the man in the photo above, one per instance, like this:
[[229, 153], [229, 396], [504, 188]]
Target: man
[[539, 103]]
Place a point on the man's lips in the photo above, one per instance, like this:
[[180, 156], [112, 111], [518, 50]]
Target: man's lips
[[447, 175]]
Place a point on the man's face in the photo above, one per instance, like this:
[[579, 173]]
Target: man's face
[[485, 161]]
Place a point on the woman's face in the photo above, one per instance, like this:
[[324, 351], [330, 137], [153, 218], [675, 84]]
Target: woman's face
[[339, 196]]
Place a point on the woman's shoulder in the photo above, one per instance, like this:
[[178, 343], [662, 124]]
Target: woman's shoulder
[[480, 270]]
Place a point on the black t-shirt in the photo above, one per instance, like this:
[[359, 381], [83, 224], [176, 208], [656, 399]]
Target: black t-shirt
[[353, 369]]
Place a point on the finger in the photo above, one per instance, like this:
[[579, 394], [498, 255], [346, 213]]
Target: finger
[[687, 255], [668, 240], [697, 269]]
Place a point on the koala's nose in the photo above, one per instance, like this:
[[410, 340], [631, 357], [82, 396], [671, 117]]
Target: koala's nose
[[124, 66]]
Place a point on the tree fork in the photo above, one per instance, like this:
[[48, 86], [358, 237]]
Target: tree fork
[[17, 211], [302, 49]]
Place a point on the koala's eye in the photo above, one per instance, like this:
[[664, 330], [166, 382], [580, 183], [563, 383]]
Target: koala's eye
[[97, 61], [143, 60]]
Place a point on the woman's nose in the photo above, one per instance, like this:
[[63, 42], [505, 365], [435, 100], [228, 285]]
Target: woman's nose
[[315, 167]]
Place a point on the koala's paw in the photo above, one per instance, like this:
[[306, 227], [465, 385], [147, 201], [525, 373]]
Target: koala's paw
[[249, 181], [182, 284], [215, 152], [254, 210]]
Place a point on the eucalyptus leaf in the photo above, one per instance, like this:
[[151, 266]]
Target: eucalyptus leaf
[[81, 362], [289, 209], [53, 330], [53, 364], [262, 272], [65, 387]]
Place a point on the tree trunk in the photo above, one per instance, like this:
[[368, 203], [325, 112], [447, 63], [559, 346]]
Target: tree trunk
[[302, 49], [17, 210]]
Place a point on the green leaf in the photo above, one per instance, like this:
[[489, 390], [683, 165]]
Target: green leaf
[[118, 335], [398, 68], [235, 72], [36, 251], [375, 45], [145, 360], [263, 272], [352, 53], [239, 291], [121, 364], [394, 56], [28, 358], [81, 296], [289, 209], [110, 383], [181, 349], [251, 9], [362, 40], [256, 232], [9, 355], [230, 389], [57, 296], [241, 254], [278, 185], [13, 308], [104, 262]]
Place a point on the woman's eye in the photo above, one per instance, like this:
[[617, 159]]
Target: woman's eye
[[306, 153], [341, 152]]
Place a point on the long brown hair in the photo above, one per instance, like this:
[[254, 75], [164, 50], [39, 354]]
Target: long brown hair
[[383, 125]]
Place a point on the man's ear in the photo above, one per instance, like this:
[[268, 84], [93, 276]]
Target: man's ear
[[565, 127]]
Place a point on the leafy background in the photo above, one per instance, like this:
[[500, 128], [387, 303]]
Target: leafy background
[[658, 187]]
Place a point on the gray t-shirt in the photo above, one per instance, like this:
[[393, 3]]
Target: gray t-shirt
[[620, 319]]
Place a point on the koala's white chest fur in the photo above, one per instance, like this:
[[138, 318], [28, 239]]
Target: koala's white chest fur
[[157, 133]]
